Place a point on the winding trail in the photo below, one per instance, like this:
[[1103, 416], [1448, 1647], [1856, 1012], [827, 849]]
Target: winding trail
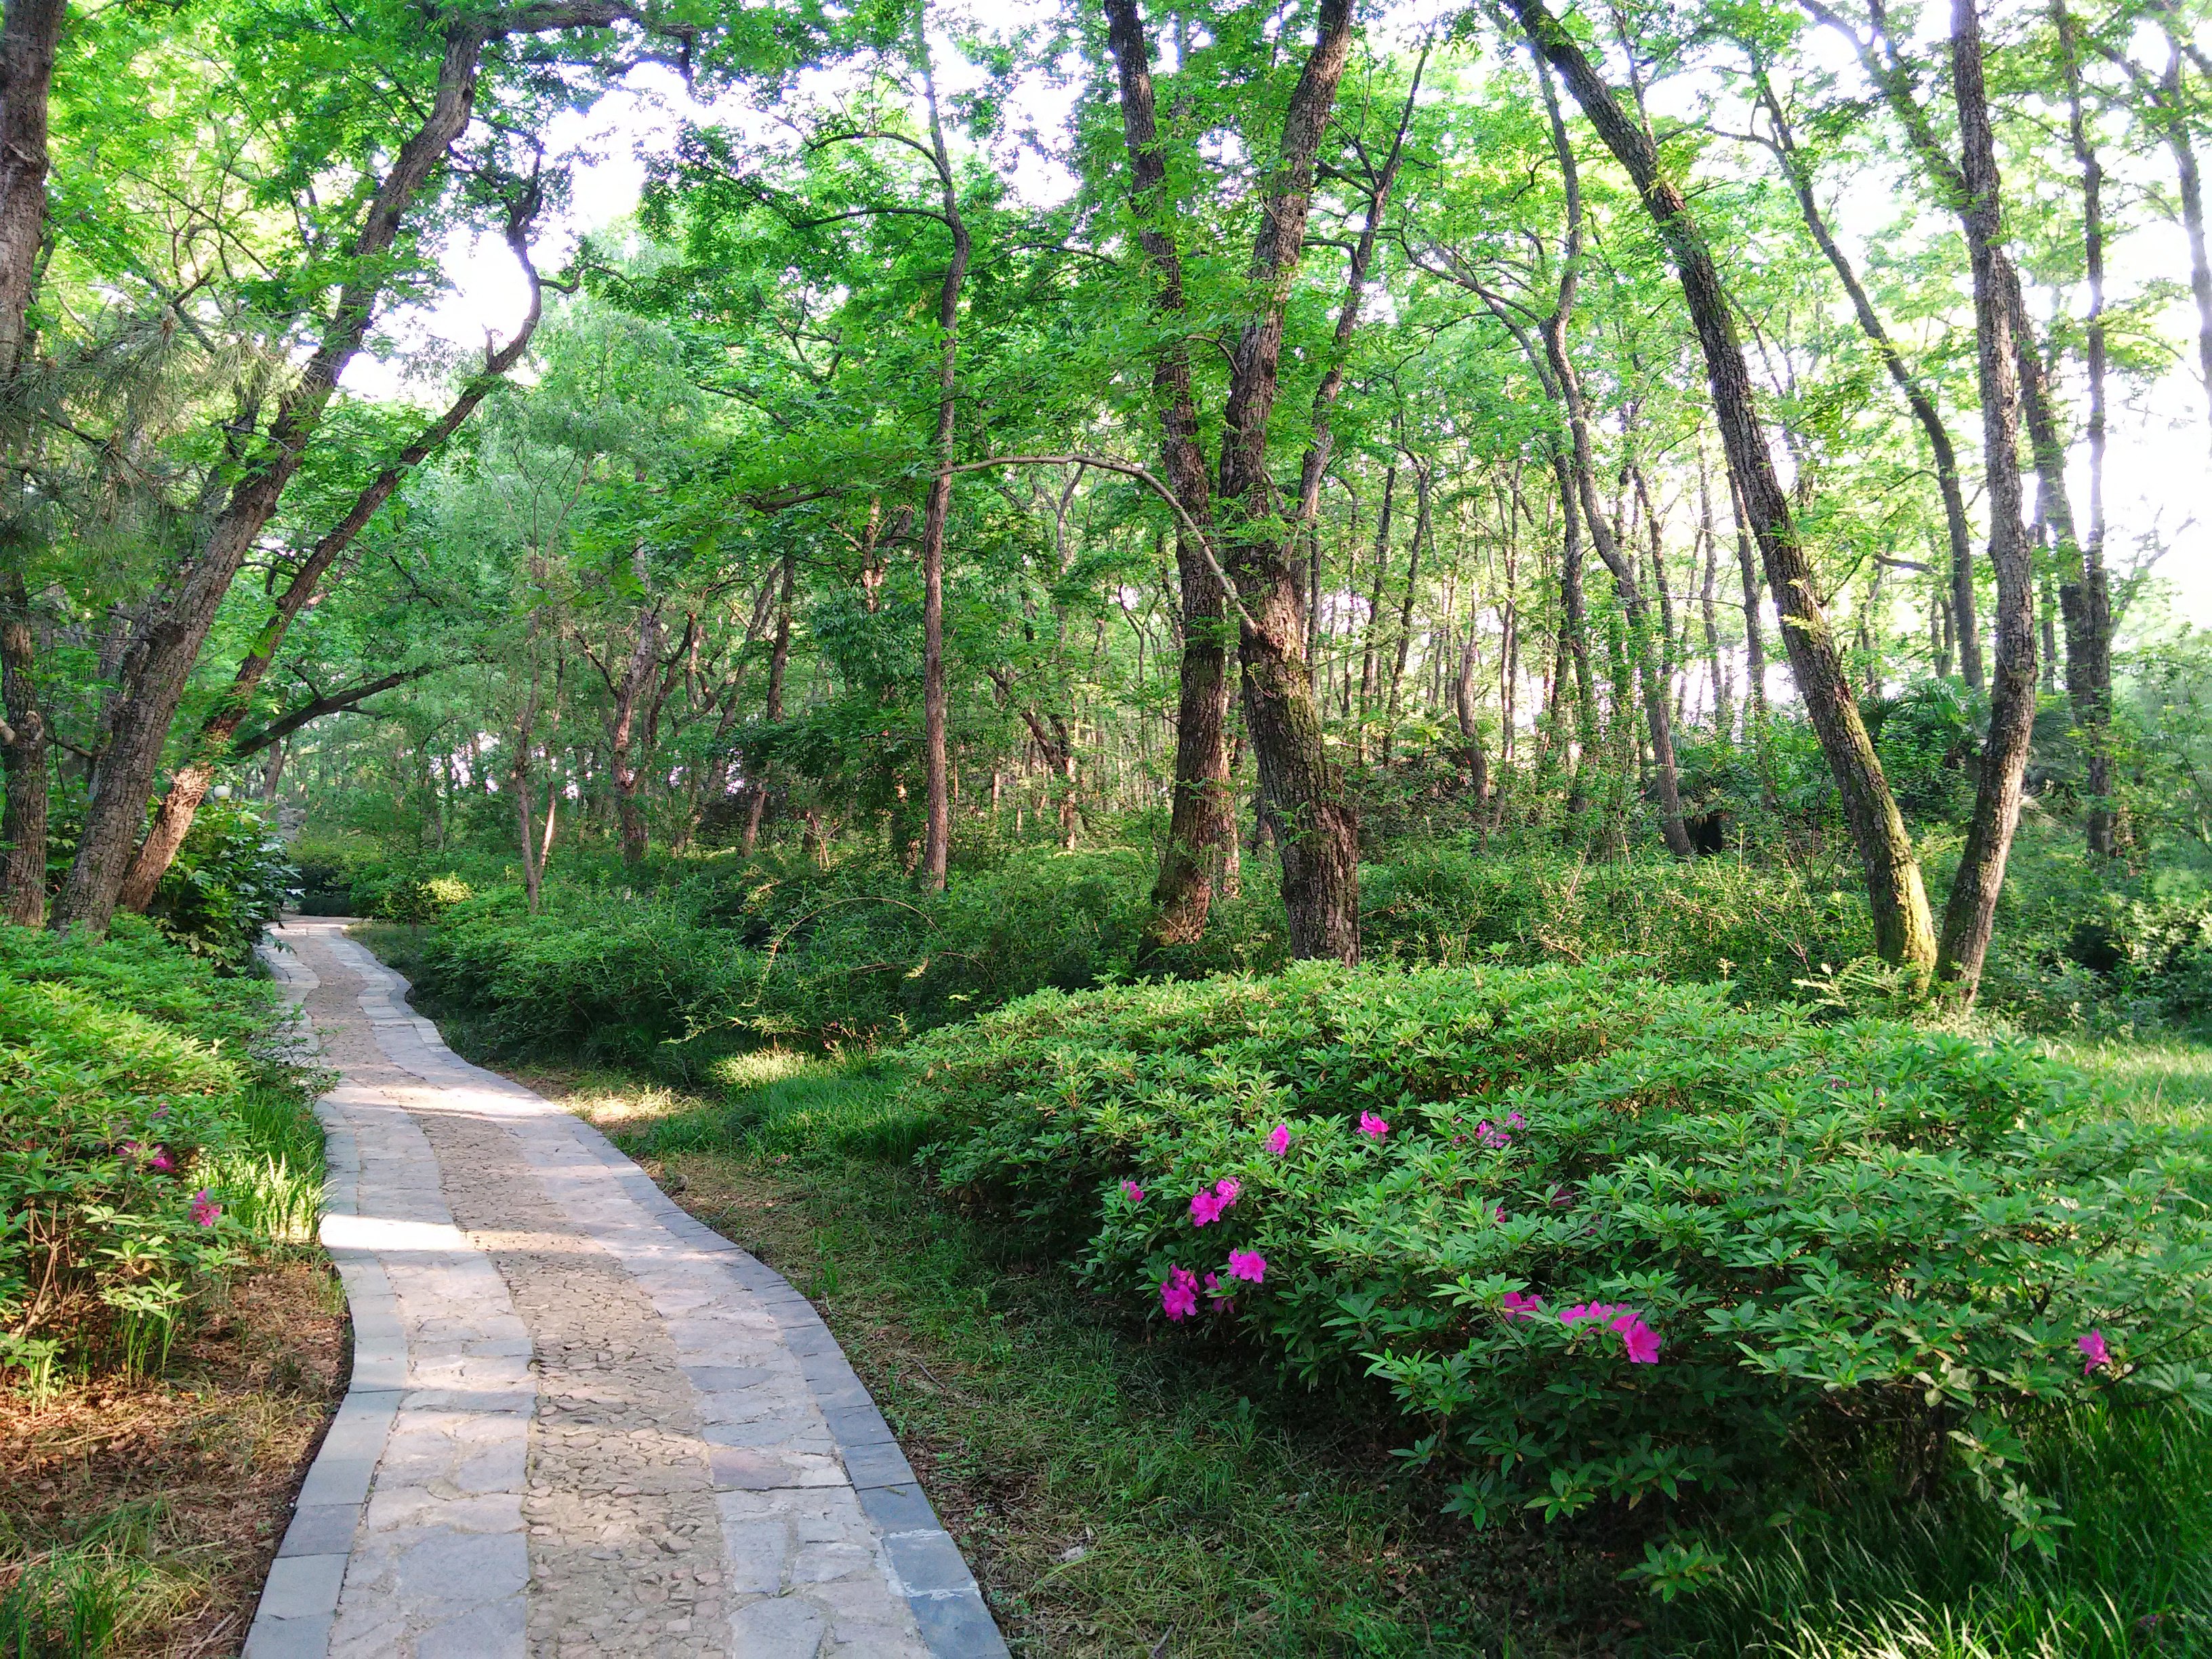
[[579, 1423]]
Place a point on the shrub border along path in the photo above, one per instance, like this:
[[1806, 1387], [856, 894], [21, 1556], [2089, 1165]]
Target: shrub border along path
[[516, 1468]]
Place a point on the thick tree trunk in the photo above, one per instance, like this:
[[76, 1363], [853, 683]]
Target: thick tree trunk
[[28, 41], [1904, 927], [1317, 825], [23, 749], [1202, 817], [937, 839]]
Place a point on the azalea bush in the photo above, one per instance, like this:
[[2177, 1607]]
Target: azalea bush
[[152, 1126], [1600, 1237]]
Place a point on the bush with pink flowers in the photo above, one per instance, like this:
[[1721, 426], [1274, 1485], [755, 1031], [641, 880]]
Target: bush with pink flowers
[[1593, 1236]]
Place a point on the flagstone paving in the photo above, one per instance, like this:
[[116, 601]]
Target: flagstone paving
[[579, 1422]]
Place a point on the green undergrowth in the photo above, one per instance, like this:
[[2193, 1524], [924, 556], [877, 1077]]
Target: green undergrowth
[[154, 1128]]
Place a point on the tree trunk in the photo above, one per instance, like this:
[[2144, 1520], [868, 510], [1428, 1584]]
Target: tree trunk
[[1421, 533], [162, 660], [1904, 927], [779, 663], [23, 749], [2084, 595], [1201, 813], [1999, 331], [937, 839], [1316, 823], [188, 788], [27, 39]]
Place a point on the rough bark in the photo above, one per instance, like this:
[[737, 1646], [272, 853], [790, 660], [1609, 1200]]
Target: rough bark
[[1999, 329], [1201, 827], [1904, 927], [23, 738], [28, 41], [1316, 824]]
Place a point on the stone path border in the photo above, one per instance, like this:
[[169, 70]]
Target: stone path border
[[488, 1390]]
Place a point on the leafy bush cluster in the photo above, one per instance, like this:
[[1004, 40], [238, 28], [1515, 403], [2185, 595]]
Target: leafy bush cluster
[[150, 1125], [230, 879], [1602, 1237], [732, 953]]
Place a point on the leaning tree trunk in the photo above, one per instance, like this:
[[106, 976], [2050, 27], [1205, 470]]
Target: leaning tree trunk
[[27, 39], [161, 661], [188, 788], [1904, 926], [1201, 814]]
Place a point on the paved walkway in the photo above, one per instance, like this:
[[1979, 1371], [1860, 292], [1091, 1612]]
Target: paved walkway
[[580, 1423]]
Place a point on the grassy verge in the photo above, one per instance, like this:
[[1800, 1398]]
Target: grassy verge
[[138, 1515]]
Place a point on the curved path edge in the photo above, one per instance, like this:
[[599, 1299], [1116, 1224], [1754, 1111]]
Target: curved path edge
[[329, 1536]]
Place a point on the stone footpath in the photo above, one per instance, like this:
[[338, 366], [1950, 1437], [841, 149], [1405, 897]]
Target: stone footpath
[[580, 1423]]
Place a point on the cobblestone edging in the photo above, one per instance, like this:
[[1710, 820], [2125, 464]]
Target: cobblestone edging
[[580, 1421]]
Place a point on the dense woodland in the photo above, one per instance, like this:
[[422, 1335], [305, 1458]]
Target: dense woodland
[[1121, 501]]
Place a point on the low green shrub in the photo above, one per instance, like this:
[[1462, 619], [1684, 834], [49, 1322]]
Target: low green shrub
[[229, 880], [151, 1125], [1603, 1237]]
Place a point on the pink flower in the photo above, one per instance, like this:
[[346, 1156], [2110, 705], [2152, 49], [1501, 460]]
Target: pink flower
[[1373, 1127], [205, 1210], [1519, 1304], [1279, 1139], [1640, 1339], [1514, 1121], [1602, 1312], [1132, 1192], [1499, 1215], [1226, 1191], [161, 1161], [1179, 1294], [1219, 1303], [1204, 1207], [1247, 1265], [2094, 1352]]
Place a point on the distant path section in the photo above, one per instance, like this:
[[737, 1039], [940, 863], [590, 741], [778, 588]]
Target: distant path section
[[580, 1423]]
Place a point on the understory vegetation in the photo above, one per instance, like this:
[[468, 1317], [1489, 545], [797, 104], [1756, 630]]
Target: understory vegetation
[[160, 1177]]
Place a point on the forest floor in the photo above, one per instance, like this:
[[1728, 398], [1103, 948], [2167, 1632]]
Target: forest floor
[[151, 1505]]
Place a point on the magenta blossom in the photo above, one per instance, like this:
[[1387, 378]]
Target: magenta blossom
[[1279, 1139], [1227, 1190], [1204, 1207], [1179, 1294], [1639, 1339], [1373, 1127], [1247, 1265], [1582, 1310], [1514, 1121], [161, 1161], [205, 1210], [2094, 1352], [1132, 1192], [1520, 1304], [1216, 1301]]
